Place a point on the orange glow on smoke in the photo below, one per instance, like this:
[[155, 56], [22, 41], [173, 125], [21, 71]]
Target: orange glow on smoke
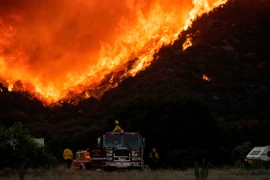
[[57, 47]]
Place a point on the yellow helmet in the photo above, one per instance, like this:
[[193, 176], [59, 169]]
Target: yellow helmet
[[116, 122]]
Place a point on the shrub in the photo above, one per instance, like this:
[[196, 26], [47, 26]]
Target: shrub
[[201, 172], [239, 154], [18, 150]]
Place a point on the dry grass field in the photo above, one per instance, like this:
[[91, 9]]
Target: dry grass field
[[214, 174]]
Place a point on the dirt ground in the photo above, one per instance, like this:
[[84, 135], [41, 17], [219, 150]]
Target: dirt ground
[[214, 174]]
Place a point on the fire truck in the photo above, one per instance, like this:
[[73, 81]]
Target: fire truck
[[122, 150], [117, 150]]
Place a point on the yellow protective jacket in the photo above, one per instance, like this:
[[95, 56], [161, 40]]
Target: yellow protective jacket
[[153, 154], [67, 154], [117, 128], [87, 157]]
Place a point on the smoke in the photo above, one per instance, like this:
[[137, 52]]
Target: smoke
[[54, 40]]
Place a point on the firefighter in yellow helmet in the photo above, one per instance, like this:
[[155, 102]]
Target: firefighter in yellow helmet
[[87, 157], [153, 159], [117, 127], [68, 157]]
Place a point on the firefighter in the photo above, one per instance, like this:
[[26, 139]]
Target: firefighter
[[153, 159], [88, 162], [117, 127], [68, 157]]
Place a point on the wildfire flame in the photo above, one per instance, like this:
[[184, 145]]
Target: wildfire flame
[[188, 42], [204, 77], [55, 48]]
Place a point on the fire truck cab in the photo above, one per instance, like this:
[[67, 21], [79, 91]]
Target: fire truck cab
[[122, 150], [115, 150]]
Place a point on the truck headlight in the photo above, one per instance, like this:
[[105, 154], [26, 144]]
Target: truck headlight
[[135, 153], [109, 153]]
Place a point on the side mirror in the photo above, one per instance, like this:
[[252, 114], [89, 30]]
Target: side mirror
[[268, 153], [143, 142], [98, 141]]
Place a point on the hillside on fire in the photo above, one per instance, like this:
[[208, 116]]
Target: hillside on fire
[[200, 102]]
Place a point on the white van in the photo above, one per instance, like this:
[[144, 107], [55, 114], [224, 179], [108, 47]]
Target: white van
[[259, 156]]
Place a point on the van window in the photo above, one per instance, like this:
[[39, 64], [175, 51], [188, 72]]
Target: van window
[[255, 153], [268, 154]]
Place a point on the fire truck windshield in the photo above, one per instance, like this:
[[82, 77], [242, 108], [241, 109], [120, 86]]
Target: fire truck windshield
[[118, 141]]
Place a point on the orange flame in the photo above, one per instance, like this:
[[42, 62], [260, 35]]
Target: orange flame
[[67, 46], [10, 87], [205, 78], [188, 42]]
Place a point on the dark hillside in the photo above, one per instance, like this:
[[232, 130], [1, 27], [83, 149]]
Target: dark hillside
[[170, 103], [231, 48], [18, 106]]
